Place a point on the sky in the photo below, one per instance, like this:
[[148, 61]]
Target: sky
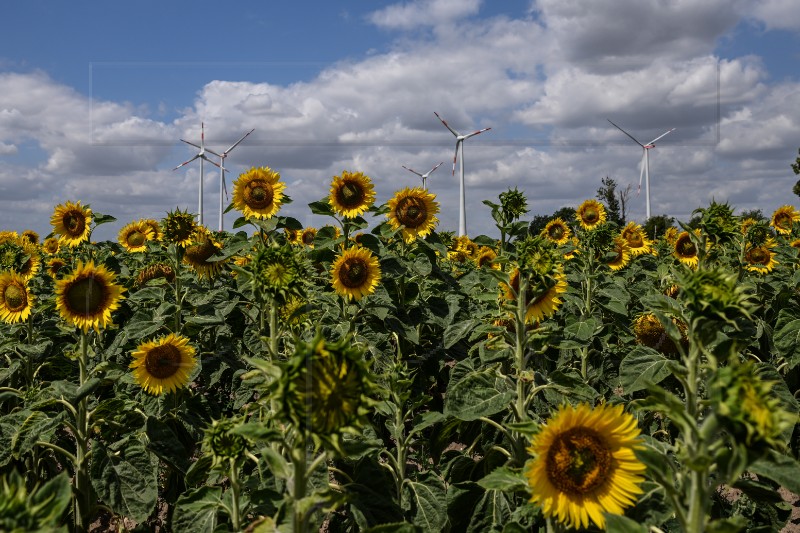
[[95, 97]]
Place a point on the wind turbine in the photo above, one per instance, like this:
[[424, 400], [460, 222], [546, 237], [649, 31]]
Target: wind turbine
[[423, 176], [222, 169], [201, 155], [462, 215], [645, 163]]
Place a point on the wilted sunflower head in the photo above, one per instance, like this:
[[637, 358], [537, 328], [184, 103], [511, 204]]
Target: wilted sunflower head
[[351, 194], [414, 210], [783, 219], [163, 365], [590, 214], [355, 273], [178, 227], [155, 271], [16, 301], [134, 236], [324, 387], [198, 254], [72, 222], [258, 193], [223, 443], [557, 231], [86, 297]]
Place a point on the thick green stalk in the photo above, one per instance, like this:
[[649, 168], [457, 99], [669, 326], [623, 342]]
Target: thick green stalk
[[299, 486], [273, 328], [82, 483], [235, 490], [178, 299]]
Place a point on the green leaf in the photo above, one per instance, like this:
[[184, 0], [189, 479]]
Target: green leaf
[[616, 523], [166, 445], [196, 510], [428, 502], [781, 469], [787, 336], [641, 367], [52, 500], [583, 329], [426, 420], [321, 207], [37, 426], [394, 527], [99, 218], [126, 479], [504, 479], [491, 512], [479, 393], [455, 332]]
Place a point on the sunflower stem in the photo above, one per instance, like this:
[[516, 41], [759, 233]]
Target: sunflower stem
[[273, 328], [299, 484], [178, 299], [235, 489], [82, 483]]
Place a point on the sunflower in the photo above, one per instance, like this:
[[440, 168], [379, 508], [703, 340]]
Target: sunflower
[[199, 252], [542, 303], [178, 227], [685, 250], [464, 244], [21, 257], [355, 273], [784, 218], [155, 271], [6, 236], [760, 259], [163, 365], [72, 222], [649, 331], [86, 297], [584, 465], [622, 253], [307, 236], [50, 245], [590, 214], [671, 235], [572, 254], [414, 211], [258, 193], [557, 231], [638, 243], [351, 194], [134, 236], [486, 257], [30, 236], [746, 224], [292, 236], [795, 244], [54, 265], [15, 298]]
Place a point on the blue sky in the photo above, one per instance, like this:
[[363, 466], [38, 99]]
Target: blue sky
[[95, 99]]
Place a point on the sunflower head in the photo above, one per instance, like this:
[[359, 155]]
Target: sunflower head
[[638, 243], [414, 210], [466, 245], [54, 266], [178, 227], [50, 245], [542, 296], [355, 273], [307, 237], [590, 214], [671, 235], [324, 387], [278, 272], [718, 222], [783, 219], [649, 331], [351, 194], [198, 254], [258, 193], [154, 226], [134, 236], [486, 257], [620, 254], [86, 297], [537, 257], [685, 250], [584, 465], [16, 301], [31, 236], [72, 222], [155, 271], [557, 231], [163, 365], [6, 236], [223, 443], [761, 258], [513, 204]]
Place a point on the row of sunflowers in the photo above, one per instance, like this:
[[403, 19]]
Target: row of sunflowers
[[391, 377]]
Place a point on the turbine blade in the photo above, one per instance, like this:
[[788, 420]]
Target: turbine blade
[[446, 125], [434, 168], [455, 156], [626, 133], [234, 145], [191, 144], [641, 172], [212, 152], [476, 132], [210, 161], [224, 186], [411, 170], [186, 162], [660, 136]]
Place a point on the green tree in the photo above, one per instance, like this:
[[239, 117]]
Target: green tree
[[608, 195], [657, 225], [755, 214], [796, 164], [567, 214]]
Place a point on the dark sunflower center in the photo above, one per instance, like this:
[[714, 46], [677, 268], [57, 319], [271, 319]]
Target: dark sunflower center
[[258, 194], [578, 461], [758, 255], [308, 237], [15, 297], [354, 272], [556, 232], [686, 248], [51, 246], [783, 221], [136, 238], [591, 215], [86, 296], [350, 195], [411, 212], [163, 361], [199, 253], [74, 223], [635, 240]]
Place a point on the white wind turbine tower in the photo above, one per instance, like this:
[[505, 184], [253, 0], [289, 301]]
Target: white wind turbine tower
[[645, 163], [462, 215], [423, 176], [201, 155], [222, 169]]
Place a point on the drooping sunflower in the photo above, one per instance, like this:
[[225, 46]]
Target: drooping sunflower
[[16, 301], [543, 301], [163, 365], [590, 214], [258, 193], [760, 259], [72, 222], [784, 218], [685, 250], [50, 245], [355, 273], [155, 271], [178, 227], [87, 296], [414, 210], [198, 254], [584, 464], [134, 236], [557, 231], [638, 243], [622, 252], [351, 194]]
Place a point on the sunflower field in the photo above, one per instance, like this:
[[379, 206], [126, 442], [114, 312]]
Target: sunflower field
[[375, 374]]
